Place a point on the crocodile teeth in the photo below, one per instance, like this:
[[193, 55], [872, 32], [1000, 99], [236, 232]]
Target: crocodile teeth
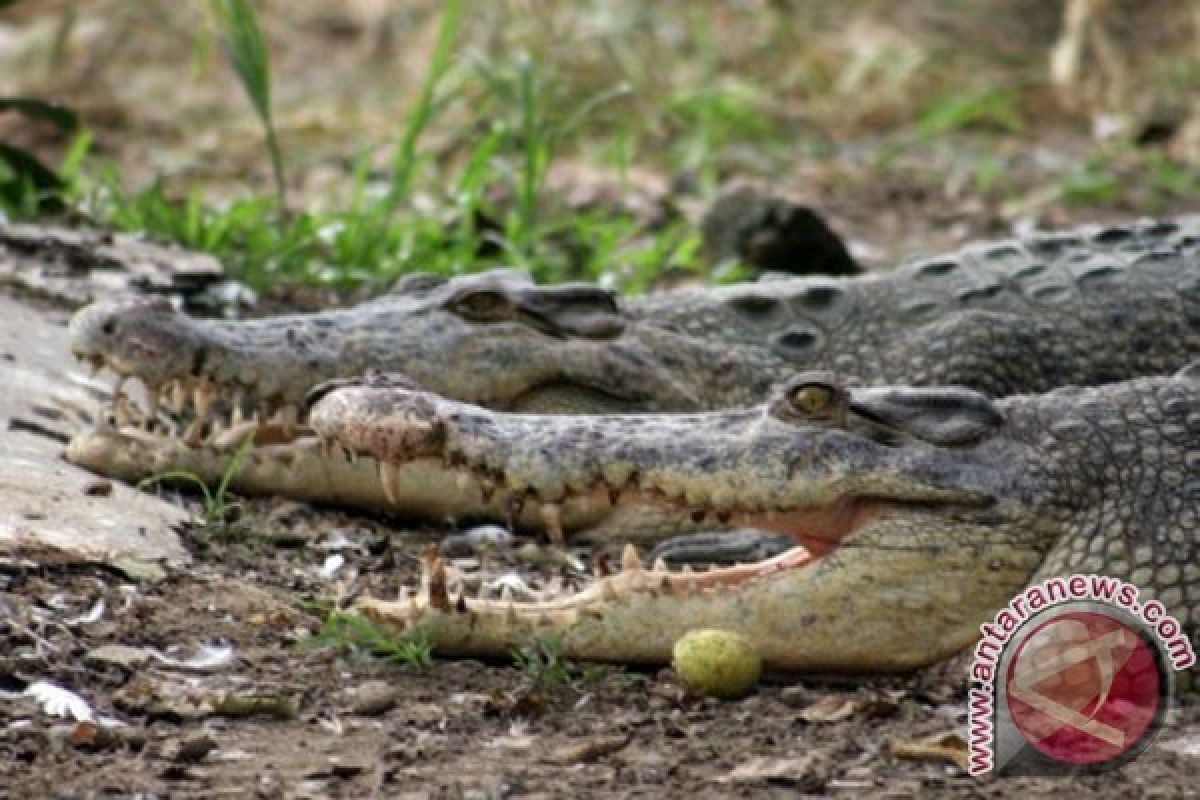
[[287, 418], [239, 398], [552, 518], [630, 559], [119, 388], [154, 397], [193, 436], [389, 479], [178, 397], [122, 412], [202, 397], [433, 575]]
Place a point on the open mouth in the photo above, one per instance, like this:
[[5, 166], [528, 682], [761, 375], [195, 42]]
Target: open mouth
[[632, 576], [195, 408]]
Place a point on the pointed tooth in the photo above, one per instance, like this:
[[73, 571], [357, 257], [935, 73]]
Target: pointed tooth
[[154, 399], [552, 518], [463, 481], [388, 479], [193, 436], [118, 388], [660, 565], [202, 398], [510, 613], [122, 411], [630, 559], [288, 417], [506, 593], [236, 416], [179, 397], [433, 576]]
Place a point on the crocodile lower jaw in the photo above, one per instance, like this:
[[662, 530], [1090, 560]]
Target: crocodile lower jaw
[[510, 620]]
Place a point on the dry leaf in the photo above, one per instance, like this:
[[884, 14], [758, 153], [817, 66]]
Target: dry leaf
[[947, 746], [806, 773], [831, 708], [589, 749]]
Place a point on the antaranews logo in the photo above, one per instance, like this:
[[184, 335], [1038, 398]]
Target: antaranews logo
[[1073, 675]]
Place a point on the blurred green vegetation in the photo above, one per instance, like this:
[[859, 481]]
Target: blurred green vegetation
[[697, 92]]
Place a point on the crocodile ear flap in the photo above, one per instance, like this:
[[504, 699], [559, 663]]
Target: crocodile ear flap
[[943, 416]]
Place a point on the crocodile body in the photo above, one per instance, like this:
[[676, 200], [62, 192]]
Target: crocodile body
[[1082, 307], [915, 512]]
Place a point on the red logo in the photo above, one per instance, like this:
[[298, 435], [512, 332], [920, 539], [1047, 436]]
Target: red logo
[[1084, 688]]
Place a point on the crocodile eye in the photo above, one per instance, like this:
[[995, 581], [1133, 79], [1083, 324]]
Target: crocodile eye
[[811, 399], [483, 306]]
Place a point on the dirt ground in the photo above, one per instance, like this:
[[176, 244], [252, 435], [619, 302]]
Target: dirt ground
[[211, 671], [281, 718]]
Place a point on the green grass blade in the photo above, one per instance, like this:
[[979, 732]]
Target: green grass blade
[[405, 158], [247, 52]]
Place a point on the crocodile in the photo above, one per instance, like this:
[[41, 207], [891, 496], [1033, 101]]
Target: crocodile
[[914, 513], [1087, 306]]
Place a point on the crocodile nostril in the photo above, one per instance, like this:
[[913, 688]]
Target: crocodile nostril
[[109, 327]]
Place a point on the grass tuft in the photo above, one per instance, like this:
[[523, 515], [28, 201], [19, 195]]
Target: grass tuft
[[214, 502], [246, 49], [350, 632]]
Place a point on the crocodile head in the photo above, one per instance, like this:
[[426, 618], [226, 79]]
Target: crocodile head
[[918, 494], [915, 513], [819, 456], [516, 345]]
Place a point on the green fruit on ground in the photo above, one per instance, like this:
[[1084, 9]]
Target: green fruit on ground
[[716, 663]]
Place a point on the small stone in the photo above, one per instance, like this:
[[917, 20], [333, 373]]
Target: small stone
[[373, 698], [476, 540], [100, 488], [796, 696], [193, 750]]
